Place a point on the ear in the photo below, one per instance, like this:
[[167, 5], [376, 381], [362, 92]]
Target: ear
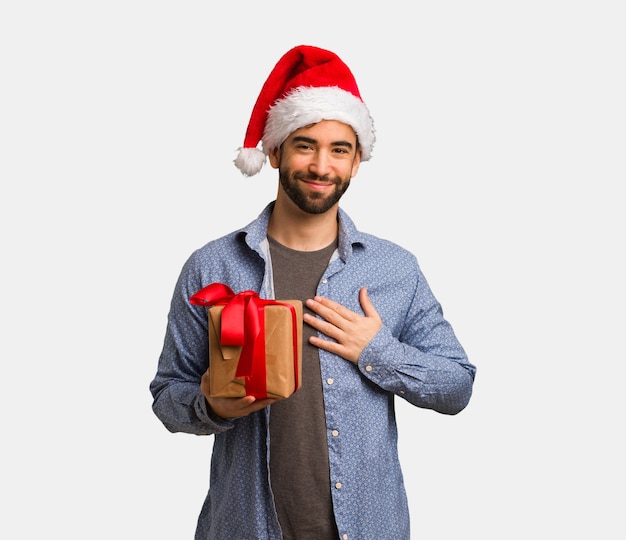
[[356, 163], [274, 157]]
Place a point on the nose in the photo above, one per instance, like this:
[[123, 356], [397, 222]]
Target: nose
[[320, 164]]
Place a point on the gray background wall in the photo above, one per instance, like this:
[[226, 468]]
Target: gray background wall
[[499, 163]]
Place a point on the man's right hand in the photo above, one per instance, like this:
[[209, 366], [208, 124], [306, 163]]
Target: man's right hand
[[232, 407]]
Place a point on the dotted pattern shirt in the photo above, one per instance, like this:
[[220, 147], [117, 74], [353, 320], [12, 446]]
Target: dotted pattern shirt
[[415, 356]]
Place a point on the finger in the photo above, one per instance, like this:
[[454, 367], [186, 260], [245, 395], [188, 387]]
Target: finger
[[366, 304], [258, 404], [331, 329], [262, 403], [336, 347], [327, 345], [246, 402], [330, 310]]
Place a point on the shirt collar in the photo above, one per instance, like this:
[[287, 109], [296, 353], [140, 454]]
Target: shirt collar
[[255, 232]]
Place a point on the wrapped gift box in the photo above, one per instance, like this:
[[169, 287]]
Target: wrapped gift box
[[255, 345]]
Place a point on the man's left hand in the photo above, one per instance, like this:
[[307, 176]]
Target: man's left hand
[[350, 332]]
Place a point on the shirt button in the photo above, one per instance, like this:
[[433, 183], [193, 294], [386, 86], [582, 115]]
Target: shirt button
[[324, 281], [368, 368], [330, 381], [344, 537], [335, 432], [338, 485]]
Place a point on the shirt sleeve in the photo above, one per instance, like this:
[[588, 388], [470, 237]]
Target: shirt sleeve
[[425, 364], [177, 399]]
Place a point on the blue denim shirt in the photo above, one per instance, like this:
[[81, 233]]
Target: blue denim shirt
[[414, 356]]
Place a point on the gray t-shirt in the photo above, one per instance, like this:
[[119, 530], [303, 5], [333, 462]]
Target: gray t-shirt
[[299, 471]]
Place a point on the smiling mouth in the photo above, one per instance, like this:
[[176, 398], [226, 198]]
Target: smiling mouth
[[318, 185], [322, 181]]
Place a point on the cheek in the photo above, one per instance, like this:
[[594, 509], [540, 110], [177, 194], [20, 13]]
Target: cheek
[[285, 160], [296, 162], [355, 169]]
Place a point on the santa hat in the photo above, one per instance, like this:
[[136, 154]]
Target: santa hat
[[307, 85]]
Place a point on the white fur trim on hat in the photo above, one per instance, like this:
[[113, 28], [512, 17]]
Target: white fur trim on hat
[[304, 106]]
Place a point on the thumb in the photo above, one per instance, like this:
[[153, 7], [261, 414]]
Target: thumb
[[366, 304]]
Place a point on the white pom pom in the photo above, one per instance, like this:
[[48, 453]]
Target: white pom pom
[[250, 161]]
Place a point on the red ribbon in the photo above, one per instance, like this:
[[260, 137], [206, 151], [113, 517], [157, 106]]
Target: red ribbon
[[243, 324]]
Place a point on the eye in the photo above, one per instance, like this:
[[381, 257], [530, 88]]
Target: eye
[[342, 151], [303, 147]]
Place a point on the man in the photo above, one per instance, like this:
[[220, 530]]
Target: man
[[322, 463]]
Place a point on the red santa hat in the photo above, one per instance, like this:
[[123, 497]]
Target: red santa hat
[[307, 85]]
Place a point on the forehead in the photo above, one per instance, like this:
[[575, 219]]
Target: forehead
[[326, 131]]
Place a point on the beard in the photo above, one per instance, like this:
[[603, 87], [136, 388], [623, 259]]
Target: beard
[[312, 203]]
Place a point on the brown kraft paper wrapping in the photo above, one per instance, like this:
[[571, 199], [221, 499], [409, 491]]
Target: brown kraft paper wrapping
[[282, 370]]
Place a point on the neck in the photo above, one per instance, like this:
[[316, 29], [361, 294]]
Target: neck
[[301, 231]]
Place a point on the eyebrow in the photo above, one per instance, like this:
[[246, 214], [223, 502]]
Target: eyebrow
[[309, 140]]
